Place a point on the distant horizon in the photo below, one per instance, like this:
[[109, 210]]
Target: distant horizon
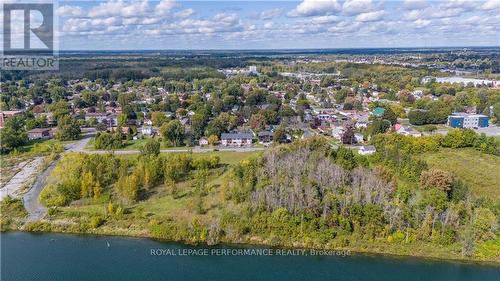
[[284, 49]]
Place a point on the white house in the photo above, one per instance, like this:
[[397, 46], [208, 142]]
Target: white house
[[367, 150], [203, 141], [358, 137], [337, 132], [148, 130]]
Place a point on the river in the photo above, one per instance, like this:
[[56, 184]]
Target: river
[[28, 256]]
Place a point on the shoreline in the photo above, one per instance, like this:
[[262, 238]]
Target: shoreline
[[353, 251]]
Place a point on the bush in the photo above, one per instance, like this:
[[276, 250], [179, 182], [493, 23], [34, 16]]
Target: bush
[[151, 147], [51, 197], [434, 198], [96, 221], [458, 138], [108, 141], [396, 237], [485, 224]]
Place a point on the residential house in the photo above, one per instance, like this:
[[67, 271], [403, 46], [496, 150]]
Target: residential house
[[358, 137], [40, 134], [4, 115], [148, 122], [104, 118], [265, 136], [407, 131], [367, 150], [236, 139], [337, 132], [148, 131], [203, 141]]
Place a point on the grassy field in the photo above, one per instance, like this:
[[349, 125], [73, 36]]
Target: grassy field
[[480, 171]]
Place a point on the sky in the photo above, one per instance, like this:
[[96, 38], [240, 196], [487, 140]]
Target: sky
[[175, 24]]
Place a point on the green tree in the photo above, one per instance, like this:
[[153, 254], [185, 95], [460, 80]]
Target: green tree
[[279, 134], [173, 132], [67, 128], [158, 118], [108, 141], [151, 147], [122, 119], [13, 134]]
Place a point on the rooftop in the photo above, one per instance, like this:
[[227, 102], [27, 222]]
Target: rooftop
[[236, 136]]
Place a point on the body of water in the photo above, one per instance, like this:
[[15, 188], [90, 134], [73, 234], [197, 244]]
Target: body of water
[[27, 256]]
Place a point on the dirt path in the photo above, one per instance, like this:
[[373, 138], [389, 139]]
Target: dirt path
[[37, 211]]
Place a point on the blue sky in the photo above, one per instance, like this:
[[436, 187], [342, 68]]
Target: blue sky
[[169, 24]]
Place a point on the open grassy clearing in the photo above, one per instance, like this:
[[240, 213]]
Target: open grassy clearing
[[480, 171]]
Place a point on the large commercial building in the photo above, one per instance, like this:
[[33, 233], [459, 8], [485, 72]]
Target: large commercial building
[[464, 120]]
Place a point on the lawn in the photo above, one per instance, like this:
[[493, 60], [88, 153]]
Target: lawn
[[480, 171]]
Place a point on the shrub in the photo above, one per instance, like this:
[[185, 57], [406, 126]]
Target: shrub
[[96, 221]]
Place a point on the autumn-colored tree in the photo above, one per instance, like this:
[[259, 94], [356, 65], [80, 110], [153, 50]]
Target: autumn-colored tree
[[435, 178], [213, 140], [158, 118], [87, 185], [258, 121]]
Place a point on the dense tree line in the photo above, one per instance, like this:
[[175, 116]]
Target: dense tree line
[[84, 176], [307, 191]]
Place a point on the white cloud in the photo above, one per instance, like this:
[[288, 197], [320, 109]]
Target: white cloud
[[414, 4], [325, 19], [370, 16], [491, 5], [120, 8], [433, 12], [69, 11], [463, 4], [355, 7], [185, 13], [164, 7], [270, 14], [421, 23], [315, 8]]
